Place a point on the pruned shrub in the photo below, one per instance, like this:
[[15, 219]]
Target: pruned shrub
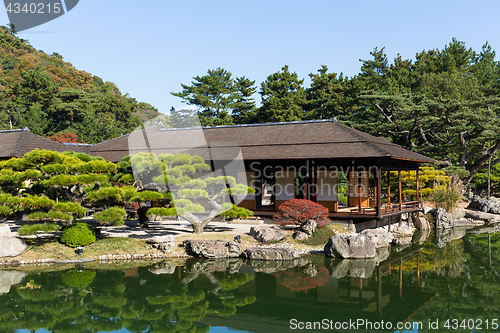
[[31, 229], [235, 213], [79, 234], [298, 211], [112, 216]]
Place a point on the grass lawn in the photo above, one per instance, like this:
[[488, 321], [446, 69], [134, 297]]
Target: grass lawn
[[53, 249]]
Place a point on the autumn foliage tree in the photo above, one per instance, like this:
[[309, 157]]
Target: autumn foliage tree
[[298, 211]]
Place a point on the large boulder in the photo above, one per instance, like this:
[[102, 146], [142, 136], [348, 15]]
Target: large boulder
[[10, 246], [163, 243], [421, 222], [300, 235], [458, 212], [350, 246], [268, 234], [486, 205], [8, 279], [443, 219], [195, 246], [379, 236], [213, 249], [309, 227], [222, 250], [270, 254], [487, 217], [402, 231]]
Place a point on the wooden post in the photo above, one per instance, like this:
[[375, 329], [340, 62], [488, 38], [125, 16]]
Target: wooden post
[[400, 194], [401, 220], [418, 188], [388, 188], [379, 194], [360, 193], [359, 199]]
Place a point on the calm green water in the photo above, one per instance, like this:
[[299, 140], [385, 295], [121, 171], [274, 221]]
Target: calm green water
[[427, 284]]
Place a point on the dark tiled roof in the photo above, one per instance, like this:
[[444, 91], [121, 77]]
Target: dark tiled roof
[[277, 141], [16, 143]]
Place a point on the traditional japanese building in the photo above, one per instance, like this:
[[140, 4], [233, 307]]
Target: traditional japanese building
[[355, 175]]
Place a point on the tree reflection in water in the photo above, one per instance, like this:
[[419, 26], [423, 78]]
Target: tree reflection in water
[[442, 276]]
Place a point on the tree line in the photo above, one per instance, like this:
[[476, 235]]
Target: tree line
[[55, 100], [444, 103]]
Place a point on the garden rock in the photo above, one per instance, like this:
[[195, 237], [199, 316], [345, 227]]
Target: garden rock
[[402, 231], [300, 235], [350, 246], [487, 217], [489, 205], [268, 234], [309, 227], [163, 243], [8, 279], [271, 254], [379, 236], [213, 249], [421, 222], [464, 223], [458, 212], [195, 246], [10, 246], [221, 250], [443, 219]]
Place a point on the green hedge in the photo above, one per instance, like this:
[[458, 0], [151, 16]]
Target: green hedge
[[79, 234]]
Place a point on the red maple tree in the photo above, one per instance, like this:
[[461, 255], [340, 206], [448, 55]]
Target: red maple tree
[[298, 211]]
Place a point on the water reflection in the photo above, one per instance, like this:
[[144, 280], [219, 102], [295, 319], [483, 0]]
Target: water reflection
[[441, 276]]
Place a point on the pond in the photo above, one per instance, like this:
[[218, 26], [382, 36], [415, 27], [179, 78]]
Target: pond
[[442, 282]]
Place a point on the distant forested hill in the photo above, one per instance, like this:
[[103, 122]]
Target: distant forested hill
[[54, 99]]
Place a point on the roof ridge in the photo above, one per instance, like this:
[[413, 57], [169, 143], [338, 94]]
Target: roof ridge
[[251, 125]]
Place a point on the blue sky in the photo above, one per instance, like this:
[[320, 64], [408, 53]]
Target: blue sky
[[148, 48]]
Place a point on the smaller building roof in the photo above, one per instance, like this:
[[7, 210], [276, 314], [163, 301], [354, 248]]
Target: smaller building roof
[[16, 143]]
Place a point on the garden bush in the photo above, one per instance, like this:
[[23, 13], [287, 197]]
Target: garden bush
[[31, 229], [449, 194], [79, 234], [298, 211], [113, 216], [236, 212]]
